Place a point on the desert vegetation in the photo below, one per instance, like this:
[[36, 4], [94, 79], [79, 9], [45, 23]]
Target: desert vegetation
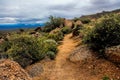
[[106, 33], [27, 49]]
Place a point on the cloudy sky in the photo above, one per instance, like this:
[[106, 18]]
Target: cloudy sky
[[14, 11]]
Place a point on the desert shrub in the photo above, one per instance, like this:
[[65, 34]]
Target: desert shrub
[[85, 30], [21, 30], [106, 78], [50, 45], [57, 36], [66, 30], [76, 19], [76, 30], [104, 34], [85, 20], [53, 23], [27, 50], [24, 50], [51, 55]]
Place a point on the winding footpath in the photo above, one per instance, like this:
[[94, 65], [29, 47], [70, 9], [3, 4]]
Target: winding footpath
[[65, 70]]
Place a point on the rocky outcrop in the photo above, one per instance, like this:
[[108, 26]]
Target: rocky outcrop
[[80, 54], [113, 53], [35, 69], [69, 23], [78, 23], [55, 31], [38, 29], [10, 70]]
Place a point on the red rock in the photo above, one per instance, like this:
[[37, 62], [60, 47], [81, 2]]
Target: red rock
[[10, 70]]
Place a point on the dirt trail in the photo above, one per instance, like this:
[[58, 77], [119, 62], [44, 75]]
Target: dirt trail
[[62, 69]]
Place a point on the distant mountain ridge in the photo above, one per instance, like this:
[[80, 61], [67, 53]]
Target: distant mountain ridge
[[20, 25], [98, 15]]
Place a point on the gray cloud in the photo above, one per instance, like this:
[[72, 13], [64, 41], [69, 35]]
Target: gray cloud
[[101, 5], [100, 2], [39, 10]]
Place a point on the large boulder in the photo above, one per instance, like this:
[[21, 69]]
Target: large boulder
[[10, 70], [80, 54], [35, 70], [69, 23], [113, 53]]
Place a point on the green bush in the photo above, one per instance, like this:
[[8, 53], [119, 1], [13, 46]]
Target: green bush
[[58, 36], [66, 30], [85, 30], [106, 78], [76, 30], [51, 55], [76, 19], [27, 50], [85, 20], [50, 45], [104, 34], [53, 23]]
